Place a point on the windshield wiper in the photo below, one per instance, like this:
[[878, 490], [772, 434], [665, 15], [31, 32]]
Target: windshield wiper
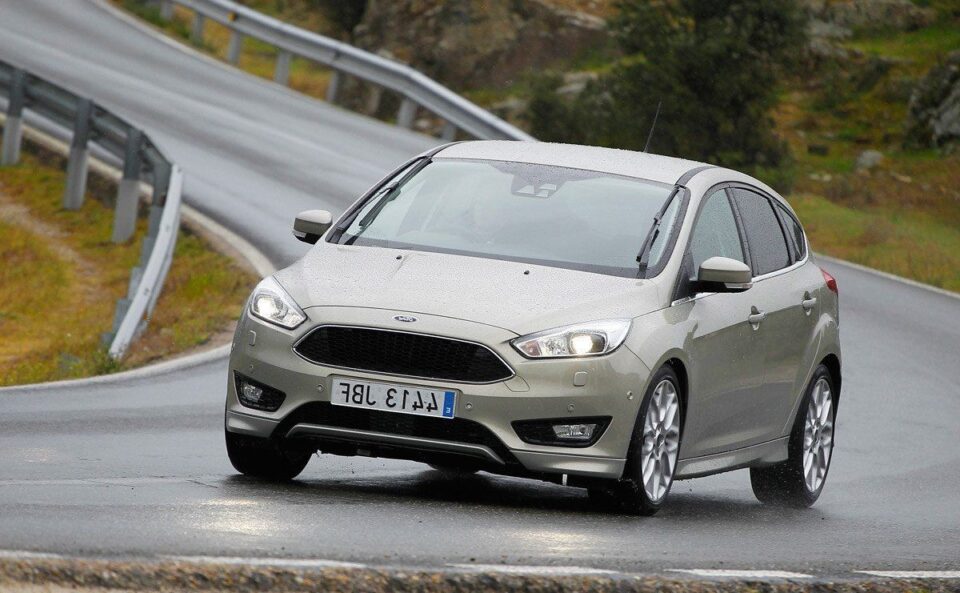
[[652, 235], [390, 193]]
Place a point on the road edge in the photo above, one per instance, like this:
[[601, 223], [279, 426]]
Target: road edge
[[170, 575], [219, 237]]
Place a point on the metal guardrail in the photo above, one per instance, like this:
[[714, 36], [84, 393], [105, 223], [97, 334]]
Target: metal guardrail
[[416, 89], [142, 160]]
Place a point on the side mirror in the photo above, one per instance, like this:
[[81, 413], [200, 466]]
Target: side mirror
[[310, 225], [722, 274]]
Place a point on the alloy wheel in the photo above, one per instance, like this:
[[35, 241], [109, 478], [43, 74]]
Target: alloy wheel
[[661, 440], [818, 436]]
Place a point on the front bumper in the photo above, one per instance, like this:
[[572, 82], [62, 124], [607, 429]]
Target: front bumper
[[540, 389]]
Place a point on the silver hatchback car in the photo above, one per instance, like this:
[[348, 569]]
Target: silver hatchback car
[[604, 319]]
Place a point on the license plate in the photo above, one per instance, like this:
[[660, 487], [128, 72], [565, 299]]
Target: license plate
[[404, 399]]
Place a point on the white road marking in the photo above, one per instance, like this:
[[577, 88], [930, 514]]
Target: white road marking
[[275, 562], [913, 574], [23, 555], [742, 574], [538, 570]]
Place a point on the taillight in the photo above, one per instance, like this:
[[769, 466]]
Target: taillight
[[831, 281]]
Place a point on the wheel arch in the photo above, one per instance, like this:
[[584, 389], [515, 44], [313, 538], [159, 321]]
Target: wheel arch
[[680, 369], [832, 362]]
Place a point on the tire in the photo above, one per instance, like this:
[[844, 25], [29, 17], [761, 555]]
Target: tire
[[812, 438], [656, 438], [265, 459]]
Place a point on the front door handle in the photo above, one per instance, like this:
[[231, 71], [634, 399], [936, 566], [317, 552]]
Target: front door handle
[[756, 316]]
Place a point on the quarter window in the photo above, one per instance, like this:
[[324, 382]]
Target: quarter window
[[798, 246], [716, 232], [767, 243]]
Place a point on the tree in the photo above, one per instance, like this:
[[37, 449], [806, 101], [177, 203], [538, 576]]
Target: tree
[[713, 63]]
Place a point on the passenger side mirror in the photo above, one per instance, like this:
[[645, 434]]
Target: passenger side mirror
[[723, 274], [310, 225]]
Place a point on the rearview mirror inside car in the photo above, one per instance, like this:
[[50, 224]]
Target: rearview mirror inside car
[[310, 225], [722, 274]]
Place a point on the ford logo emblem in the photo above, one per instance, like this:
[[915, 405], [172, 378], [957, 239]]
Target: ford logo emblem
[[404, 318]]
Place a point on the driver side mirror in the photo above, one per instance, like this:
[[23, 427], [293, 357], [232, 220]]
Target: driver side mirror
[[310, 225], [723, 274]]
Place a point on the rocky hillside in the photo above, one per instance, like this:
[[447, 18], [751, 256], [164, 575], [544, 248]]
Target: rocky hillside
[[469, 45]]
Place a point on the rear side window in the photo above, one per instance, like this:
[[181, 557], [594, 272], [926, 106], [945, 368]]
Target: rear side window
[[716, 232], [798, 247], [767, 243]]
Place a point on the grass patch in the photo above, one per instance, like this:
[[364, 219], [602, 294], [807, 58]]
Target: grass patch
[[913, 244], [920, 49], [61, 278]]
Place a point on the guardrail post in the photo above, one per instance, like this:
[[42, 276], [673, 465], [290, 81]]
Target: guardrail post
[[13, 128], [373, 100], [406, 113], [333, 89], [166, 9], [235, 47], [196, 32], [449, 132], [282, 72], [77, 162], [128, 191]]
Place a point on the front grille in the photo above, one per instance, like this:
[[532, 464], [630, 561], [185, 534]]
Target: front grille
[[401, 353], [458, 430]]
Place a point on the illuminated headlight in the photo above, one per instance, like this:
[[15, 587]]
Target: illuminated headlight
[[585, 339], [272, 304]]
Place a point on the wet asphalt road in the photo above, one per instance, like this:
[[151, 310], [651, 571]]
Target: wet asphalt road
[[139, 468]]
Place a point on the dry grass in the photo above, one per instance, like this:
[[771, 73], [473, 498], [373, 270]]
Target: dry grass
[[61, 277]]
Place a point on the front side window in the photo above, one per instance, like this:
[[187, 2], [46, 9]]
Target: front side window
[[767, 243], [556, 216], [715, 233]]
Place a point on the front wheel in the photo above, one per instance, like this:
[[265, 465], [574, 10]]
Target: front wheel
[[265, 459], [654, 448], [798, 481]]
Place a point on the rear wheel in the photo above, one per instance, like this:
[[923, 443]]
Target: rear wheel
[[654, 447], [264, 458], [798, 481]]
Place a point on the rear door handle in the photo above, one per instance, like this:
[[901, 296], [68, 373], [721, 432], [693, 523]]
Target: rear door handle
[[809, 303], [756, 316]]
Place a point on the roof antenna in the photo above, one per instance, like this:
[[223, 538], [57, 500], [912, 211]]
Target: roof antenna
[[653, 126]]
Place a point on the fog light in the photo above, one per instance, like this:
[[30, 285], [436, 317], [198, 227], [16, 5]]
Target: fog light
[[250, 392], [562, 432], [574, 432], [257, 395]]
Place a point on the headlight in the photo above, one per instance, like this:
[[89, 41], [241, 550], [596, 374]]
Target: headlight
[[584, 339], [272, 304]]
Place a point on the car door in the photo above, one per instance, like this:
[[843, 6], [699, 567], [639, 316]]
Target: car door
[[784, 294], [726, 362]]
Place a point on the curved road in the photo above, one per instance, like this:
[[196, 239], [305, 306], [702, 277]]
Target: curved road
[[138, 468]]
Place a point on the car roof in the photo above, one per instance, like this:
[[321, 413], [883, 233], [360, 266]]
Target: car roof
[[653, 167]]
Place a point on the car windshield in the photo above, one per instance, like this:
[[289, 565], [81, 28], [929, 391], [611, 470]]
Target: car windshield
[[555, 216]]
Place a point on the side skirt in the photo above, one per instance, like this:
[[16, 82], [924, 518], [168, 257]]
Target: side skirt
[[767, 453]]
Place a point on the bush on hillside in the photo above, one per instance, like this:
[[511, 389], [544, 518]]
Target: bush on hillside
[[714, 64]]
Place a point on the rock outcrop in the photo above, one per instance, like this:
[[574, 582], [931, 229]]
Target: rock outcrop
[[933, 118], [832, 21], [469, 44]]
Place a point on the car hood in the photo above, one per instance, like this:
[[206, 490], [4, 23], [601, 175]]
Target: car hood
[[518, 297]]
